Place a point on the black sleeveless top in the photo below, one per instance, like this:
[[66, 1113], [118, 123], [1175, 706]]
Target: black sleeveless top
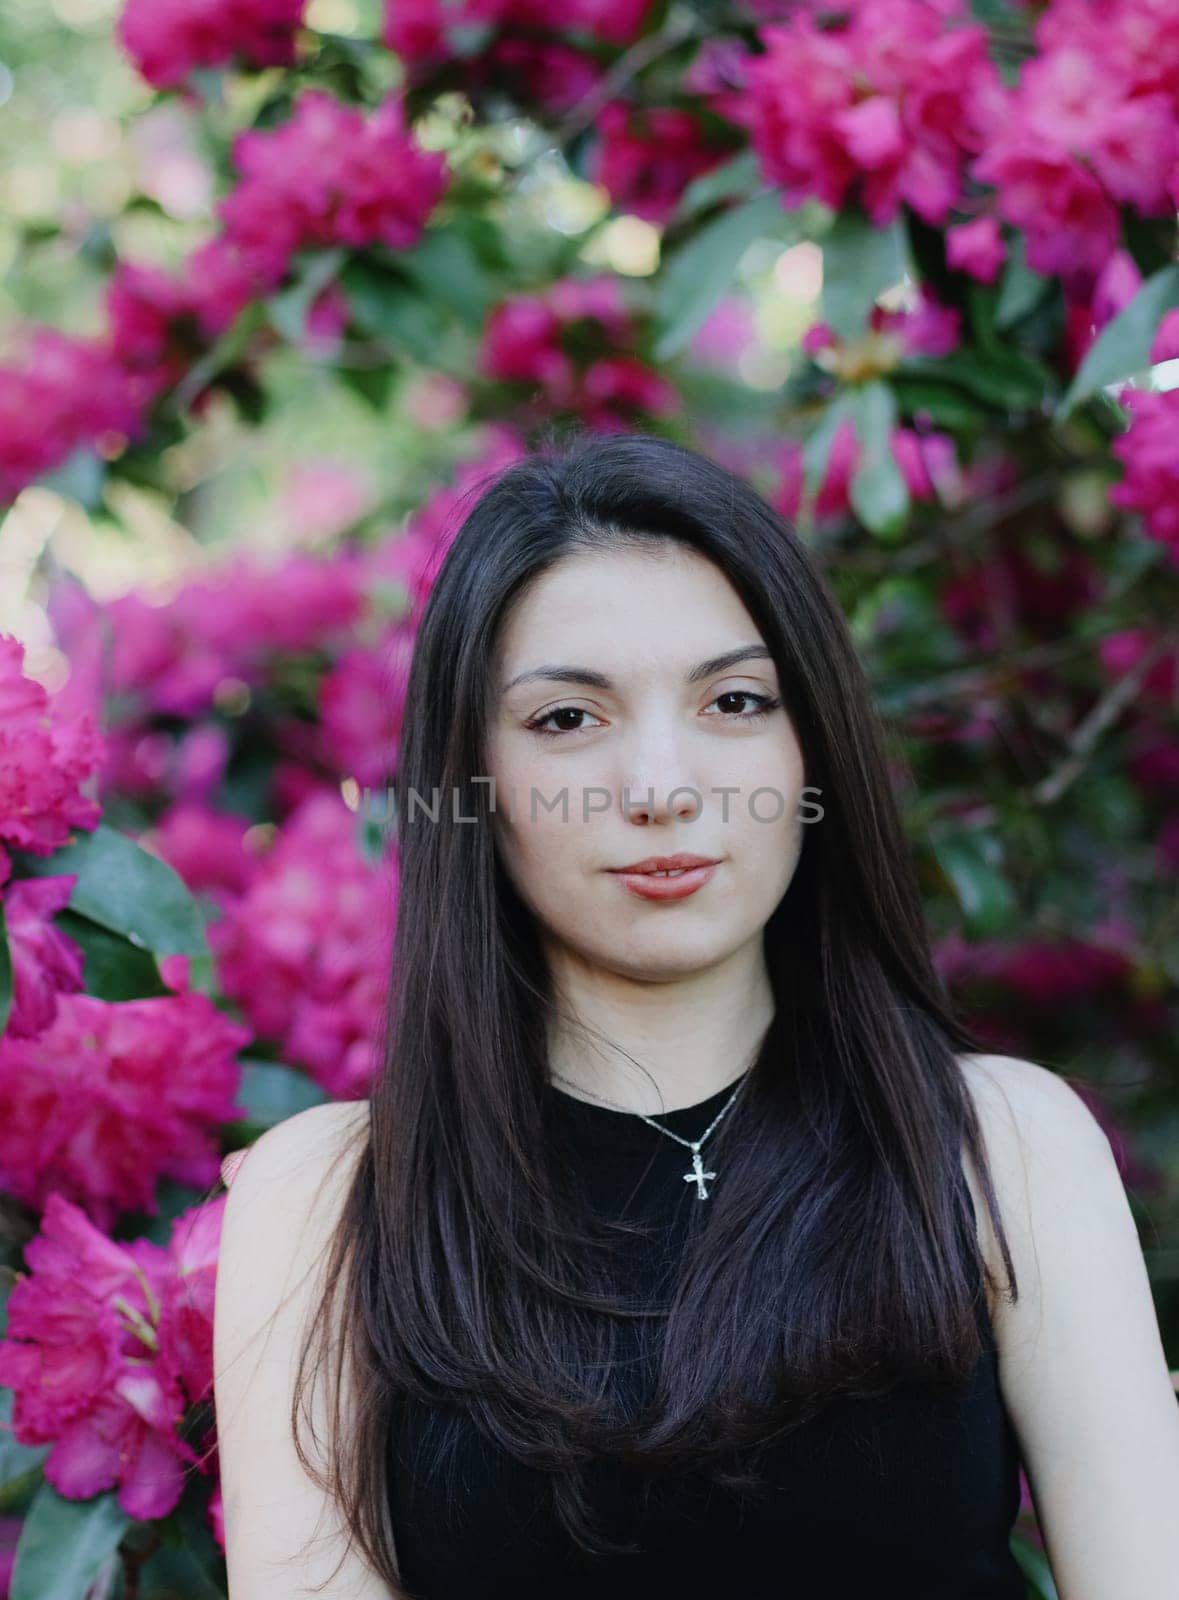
[[912, 1495]]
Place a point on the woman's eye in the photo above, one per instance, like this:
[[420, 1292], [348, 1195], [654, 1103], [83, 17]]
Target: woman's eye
[[537, 725], [764, 703]]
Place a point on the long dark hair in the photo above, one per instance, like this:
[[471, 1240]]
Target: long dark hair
[[840, 1255]]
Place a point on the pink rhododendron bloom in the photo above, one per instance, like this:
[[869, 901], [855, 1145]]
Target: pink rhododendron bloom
[[306, 950], [1015, 589], [330, 175], [224, 624], [1088, 312], [976, 248], [524, 342], [206, 847], [1147, 451], [1166, 340], [361, 702], [144, 307], [412, 559], [45, 961], [322, 498], [645, 158], [1121, 652], [927, 462], [726, 333], [113, 1096], [108, 1344], [927, 329], [1091, 125], [428, 32], [885, 108], [167, 39], [543, 73], [44, 761], [58, 395]]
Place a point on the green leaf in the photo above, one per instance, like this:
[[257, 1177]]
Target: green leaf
[[859, 263], [1006, 379], [1122, 348], [5, 972], [971, 863], [699, 273], [731, 180], [271, 1092], [1021, 290], [372, 384], [124, 888], [1035, 1568], [816, 452], [64, 1545], [114, 969], [945, 405], [80, 477], [388, 307], [288, 309], [20, 1464], [445, 268], [878, 492]]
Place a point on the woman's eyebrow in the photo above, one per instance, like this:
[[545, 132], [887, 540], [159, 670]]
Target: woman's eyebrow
[[599, 680]]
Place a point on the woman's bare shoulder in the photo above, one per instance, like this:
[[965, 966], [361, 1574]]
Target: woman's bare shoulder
[[1041, 1139], [310, 1146]]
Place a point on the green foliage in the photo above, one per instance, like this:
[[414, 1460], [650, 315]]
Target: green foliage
[[65, 1545], [126, 890]]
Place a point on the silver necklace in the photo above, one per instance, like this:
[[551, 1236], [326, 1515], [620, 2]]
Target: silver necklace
[[697, 1175]]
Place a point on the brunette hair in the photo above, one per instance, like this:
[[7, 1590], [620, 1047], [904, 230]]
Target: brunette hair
[[839, 1257]]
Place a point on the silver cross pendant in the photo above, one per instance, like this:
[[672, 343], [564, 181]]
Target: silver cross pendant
[[698, 1175]]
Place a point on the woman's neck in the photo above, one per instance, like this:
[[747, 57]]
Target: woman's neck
[[653, 1047]]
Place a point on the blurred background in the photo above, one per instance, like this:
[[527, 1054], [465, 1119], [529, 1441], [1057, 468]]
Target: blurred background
[[281, 283]]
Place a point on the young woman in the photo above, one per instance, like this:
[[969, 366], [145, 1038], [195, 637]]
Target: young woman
[[688, 1243]]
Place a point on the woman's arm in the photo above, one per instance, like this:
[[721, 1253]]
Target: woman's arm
[[283, 1203], [1082, 1364]]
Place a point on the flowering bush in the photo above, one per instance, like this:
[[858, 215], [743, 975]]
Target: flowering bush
[[909, 265]]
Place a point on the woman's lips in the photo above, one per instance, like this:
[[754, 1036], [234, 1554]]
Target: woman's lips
[[672, 886]]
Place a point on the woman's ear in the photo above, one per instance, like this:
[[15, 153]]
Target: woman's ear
[[230, 1165]]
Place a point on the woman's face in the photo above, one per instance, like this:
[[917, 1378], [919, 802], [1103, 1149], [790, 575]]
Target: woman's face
[[591, 769]]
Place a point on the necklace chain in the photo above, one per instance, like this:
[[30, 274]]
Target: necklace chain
[[697, 1174]]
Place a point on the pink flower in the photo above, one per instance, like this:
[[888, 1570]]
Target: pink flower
[[528, 340], [1121, 652], [1166, 339], [323, 497], [44, 761], [305, 952], [645, 158], [429, 32], [1090, 126], [927, 329], [167, 39], [1147, 451], [222, 625], [45, 962], [1041, 594], [108, 1344], [413, 558], [976, 248], [885, 108], [206, 847], [111, 1097], [928, 463], [328, 176], [60, 395], [361, 701]]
